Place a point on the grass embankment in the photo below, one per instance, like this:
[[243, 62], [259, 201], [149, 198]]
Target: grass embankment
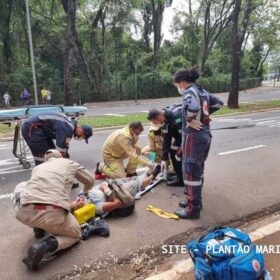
[[108, 121]]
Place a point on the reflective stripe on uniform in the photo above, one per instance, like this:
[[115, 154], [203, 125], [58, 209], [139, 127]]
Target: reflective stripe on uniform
[[61, 118], [176, 148], [38, 158], [61, 149], [193, 183], [198, 115]]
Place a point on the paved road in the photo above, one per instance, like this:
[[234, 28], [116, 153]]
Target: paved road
[[129, 107], [242, 176]]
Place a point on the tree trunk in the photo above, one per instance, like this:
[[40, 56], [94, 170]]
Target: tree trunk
[[157, 12], [70, 9], [6, 7], [237, 38]]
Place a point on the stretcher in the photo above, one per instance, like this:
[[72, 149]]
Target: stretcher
[[17, 116], [156, 181]]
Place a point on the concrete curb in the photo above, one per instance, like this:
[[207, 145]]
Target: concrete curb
[[11, 138], [186, 266]]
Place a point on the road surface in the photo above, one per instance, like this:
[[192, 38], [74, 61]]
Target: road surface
[[120, 108]]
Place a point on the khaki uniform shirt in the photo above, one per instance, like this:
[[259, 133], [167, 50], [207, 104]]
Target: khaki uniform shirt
[[51, 182], [120, 144]]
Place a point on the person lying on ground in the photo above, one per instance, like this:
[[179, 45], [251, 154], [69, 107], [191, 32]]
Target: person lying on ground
[[106, 200]]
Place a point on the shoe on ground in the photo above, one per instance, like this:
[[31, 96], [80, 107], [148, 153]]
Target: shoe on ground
[[183, 214], [175, 183], [185, 204], [98, 174], [37, 251]]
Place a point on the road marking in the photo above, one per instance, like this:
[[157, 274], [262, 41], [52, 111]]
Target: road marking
[[8, 195], [185, 266], [14, 171], [241, 150], [116, 115], [266, 119], [231, 120]]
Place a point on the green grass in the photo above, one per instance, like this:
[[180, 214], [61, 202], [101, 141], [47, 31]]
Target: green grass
[[108, 121], [249, 107]]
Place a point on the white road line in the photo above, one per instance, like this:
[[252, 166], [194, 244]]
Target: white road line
[[241, 150], [8, 195], [14, 171], [232, 120], [116, 115], [266, 119]]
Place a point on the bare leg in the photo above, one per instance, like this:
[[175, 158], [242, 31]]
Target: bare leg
[[147, 180]]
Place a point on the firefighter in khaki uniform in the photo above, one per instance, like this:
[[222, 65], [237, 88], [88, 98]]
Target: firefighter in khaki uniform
[[120, 145], [155, 142], [44, 202]]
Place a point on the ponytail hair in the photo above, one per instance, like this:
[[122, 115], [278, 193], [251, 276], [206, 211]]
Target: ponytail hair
[[186, 75]]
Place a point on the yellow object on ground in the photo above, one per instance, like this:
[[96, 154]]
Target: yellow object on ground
[[162, 213], [85, 213]]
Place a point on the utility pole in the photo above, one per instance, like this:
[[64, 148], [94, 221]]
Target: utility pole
[[135, 81], [31, 52]]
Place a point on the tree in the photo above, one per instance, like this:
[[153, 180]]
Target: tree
[[238, 30], [216, 17], [69, 7]]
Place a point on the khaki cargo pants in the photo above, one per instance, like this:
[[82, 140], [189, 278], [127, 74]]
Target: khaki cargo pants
[[64, 227], [114, 167]]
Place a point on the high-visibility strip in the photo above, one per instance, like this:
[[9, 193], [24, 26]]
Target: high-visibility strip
[[61, 118], [193, 183], [176, 148], [38, 158]]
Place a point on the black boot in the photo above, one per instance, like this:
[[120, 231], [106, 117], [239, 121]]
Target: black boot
[[185, 204], [38, 233], [171, 176], [96, 227], [37, 251], [183, 214], [175, 183]]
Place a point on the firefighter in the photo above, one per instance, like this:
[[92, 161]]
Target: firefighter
[[40, 130], [120, 145], [44, 203], [197, 105], [155, 142]]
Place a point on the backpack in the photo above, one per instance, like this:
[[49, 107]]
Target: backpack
[[225, 254]]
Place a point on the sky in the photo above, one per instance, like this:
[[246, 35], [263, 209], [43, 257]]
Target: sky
[[168, 17]]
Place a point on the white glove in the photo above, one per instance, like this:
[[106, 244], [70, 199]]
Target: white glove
[[194, 124], [178, 158], [163, 165]]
